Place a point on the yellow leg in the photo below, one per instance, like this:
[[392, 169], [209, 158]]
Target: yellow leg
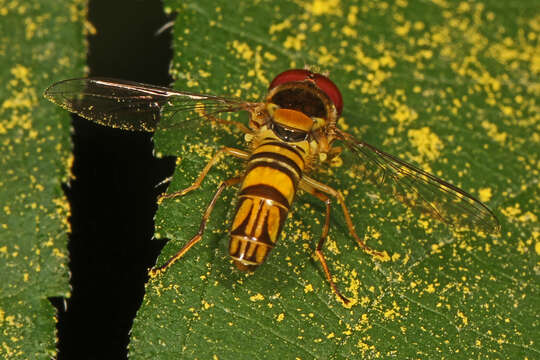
[[158, 270], [321, 196], [225, 150], [309, 183]]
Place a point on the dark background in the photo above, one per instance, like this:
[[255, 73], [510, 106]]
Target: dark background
[[113, 195]]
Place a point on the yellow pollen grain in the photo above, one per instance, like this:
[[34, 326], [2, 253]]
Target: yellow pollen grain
[[325, 7], [426, 142], [269, 56], [419, 26], [347, 30], [404, 114], [295, 42], [494, 133], [280, 27], [22, 73], [528, 217], [257, 297], [390, 314], [326, 58], [403, 30], [511, 211], [484, 194], [204, 74], [463, 318], [352, 15], [243, 50], [59, 254]]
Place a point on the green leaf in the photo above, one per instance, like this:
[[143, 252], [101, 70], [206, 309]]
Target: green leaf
[[40, 42], [450, 87]]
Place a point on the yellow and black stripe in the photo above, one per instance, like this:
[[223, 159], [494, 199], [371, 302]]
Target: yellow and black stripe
[[266, 194]]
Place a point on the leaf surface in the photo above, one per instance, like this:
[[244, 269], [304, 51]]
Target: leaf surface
[[40, 42], [452, 89]]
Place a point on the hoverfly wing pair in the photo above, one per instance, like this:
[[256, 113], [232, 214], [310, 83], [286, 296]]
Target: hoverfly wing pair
[[133, 106], [139, 107], [420, 190]]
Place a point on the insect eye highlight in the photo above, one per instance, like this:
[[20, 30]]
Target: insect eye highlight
[[288, 134]]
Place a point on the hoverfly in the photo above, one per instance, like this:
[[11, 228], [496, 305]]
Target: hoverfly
[[291, 132]]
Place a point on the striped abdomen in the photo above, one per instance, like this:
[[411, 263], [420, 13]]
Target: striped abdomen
[[266, 194]]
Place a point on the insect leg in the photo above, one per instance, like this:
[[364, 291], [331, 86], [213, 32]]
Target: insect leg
[[306, 181], [158, 270], [323, 197], [334, 153], [224, 150]]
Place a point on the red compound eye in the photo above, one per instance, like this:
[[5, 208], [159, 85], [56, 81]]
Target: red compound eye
[[322, 82]]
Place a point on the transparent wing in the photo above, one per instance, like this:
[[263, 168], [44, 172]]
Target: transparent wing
[[419, 189], [134, 106]]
